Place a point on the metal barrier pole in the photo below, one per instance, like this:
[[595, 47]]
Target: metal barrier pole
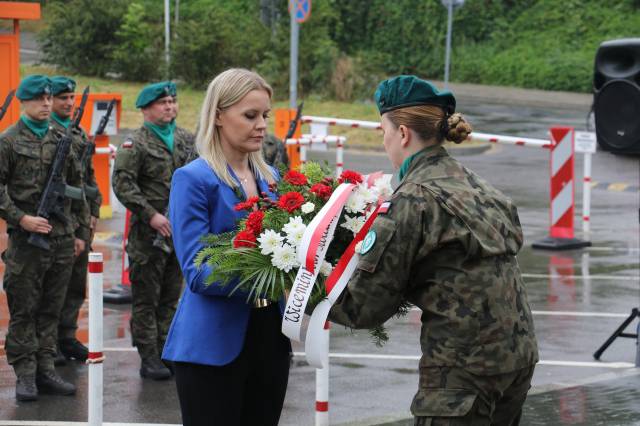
[[95, 357], [322, 384], [586, 195]]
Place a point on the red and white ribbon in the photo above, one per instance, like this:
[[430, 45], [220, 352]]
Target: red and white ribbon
[[313, 247]]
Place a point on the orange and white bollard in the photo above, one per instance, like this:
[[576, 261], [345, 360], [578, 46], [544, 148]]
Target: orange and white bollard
[[96, 356], [322, 384]]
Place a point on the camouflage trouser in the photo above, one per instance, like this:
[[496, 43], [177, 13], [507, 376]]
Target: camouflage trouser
[[35, 281], [76, 292], [455, 397], [155, 288]]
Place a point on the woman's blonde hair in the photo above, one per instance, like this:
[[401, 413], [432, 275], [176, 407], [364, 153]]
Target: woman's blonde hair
[[431, 122], [228, 88]]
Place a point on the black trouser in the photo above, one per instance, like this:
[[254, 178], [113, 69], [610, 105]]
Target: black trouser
[[248, 391]]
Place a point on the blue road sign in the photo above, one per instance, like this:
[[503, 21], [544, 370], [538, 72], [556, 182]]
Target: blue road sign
[[302, 10]]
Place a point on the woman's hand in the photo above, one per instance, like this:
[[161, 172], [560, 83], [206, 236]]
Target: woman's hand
[[161, 224]]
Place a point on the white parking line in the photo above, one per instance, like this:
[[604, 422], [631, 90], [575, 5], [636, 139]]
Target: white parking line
[[580, 314], [341, 355], [627, 249], [587, 277]]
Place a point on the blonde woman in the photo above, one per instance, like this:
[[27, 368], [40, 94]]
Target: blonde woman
[[231, 360]]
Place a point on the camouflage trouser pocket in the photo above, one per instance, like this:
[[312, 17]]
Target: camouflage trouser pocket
[[443, 407]]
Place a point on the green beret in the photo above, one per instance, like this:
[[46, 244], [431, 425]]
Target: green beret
[[62, 84], [33, 86], [408, 90], [154, 92]]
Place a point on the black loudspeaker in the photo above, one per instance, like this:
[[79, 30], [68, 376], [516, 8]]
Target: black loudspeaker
[[616, 95]]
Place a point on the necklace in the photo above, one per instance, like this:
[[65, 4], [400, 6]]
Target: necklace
[[242, 179]]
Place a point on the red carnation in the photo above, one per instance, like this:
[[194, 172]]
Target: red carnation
[[244, 239], [350, 176], [295, 178], [247, 205], [254, 222], [322, 191], [291, 201]]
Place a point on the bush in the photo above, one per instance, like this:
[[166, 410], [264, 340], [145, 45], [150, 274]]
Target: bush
[[214, 41], [139, 50], [80, 34]]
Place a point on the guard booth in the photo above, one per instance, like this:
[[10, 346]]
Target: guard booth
[[94, 111], [10, 53]]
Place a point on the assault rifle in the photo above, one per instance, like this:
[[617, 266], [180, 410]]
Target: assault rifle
[[91, 192], [52, 198], [294, 123], [7, 101]]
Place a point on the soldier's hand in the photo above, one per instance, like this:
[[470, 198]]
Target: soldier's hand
[[35, 224], [161, 224], [78, 247]]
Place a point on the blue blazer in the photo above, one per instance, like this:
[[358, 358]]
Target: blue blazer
[[209, 325]]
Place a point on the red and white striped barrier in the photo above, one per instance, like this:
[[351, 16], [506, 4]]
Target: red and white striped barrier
[[309, 140], [562, 155], [96, 356]]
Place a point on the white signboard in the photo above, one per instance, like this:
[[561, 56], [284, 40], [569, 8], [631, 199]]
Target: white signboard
[[99, 110], [585, 142]]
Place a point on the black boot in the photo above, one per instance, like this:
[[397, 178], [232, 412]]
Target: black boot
[[154, 369], [72, 348], [59, 359], [170, 366], [50, 382], [26, 388]]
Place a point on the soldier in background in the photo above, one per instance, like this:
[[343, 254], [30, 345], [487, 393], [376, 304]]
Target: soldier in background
[[275, 152], [446, 241], [63, 90], [35, 279], [188, 138], [144, 165]]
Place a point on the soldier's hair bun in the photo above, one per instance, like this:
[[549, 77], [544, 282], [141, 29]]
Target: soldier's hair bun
[[457, 128]]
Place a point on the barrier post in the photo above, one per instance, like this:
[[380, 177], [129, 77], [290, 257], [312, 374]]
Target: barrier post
[[322, 384], [96, 356], [283, 119], [586, 195], [561, 236]]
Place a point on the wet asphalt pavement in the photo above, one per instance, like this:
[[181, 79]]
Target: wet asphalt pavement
[[579, 298]]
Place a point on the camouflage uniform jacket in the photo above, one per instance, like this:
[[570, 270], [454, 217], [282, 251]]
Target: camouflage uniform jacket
[[92, 207], [25, 161], [187, 139], [142, 180], [447, 245]]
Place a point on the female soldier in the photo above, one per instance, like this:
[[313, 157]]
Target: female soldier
[[447, 244]]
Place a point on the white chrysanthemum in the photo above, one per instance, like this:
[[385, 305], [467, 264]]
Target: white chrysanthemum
[[269, 240], [284, 257], [368, 194], [354, 223], [358, 247], [382, 186], [355, 203], [294, 225], [326, 268], [295, 237], [308, 207]]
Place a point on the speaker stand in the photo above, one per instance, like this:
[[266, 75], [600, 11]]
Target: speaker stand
[[635, 313]]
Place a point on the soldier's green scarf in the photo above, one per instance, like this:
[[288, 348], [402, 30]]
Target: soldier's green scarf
[[38, 127], [165, 133], [64, 122]]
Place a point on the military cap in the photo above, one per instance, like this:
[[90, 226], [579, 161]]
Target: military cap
[[62, 84], [154, 92], [33, 86], [408, 90]]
